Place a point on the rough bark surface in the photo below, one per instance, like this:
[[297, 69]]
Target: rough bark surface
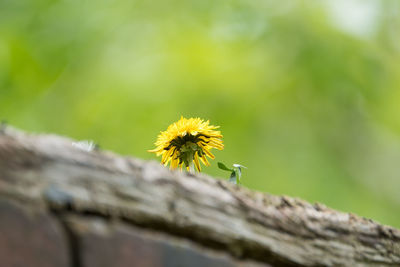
[[93, 208]]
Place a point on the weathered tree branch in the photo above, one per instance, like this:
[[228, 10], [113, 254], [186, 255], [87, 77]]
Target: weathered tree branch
[[46, 171]]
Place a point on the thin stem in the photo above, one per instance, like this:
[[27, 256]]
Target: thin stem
[[191, 167], [188, 153], [190, 158]]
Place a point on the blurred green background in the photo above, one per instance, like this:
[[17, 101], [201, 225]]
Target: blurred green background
[[307, 93]]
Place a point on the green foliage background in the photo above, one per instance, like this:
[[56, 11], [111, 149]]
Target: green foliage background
[[312, 110]]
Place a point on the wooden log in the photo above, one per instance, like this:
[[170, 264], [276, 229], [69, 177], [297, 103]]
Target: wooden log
[[49, 173]]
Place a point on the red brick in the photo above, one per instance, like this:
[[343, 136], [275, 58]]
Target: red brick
[[30, 238], [126, 246]]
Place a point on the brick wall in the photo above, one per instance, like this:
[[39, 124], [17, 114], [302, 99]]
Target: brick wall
[[36, 237]]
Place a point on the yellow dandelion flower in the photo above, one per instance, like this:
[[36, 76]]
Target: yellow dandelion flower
[[187, 141]]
